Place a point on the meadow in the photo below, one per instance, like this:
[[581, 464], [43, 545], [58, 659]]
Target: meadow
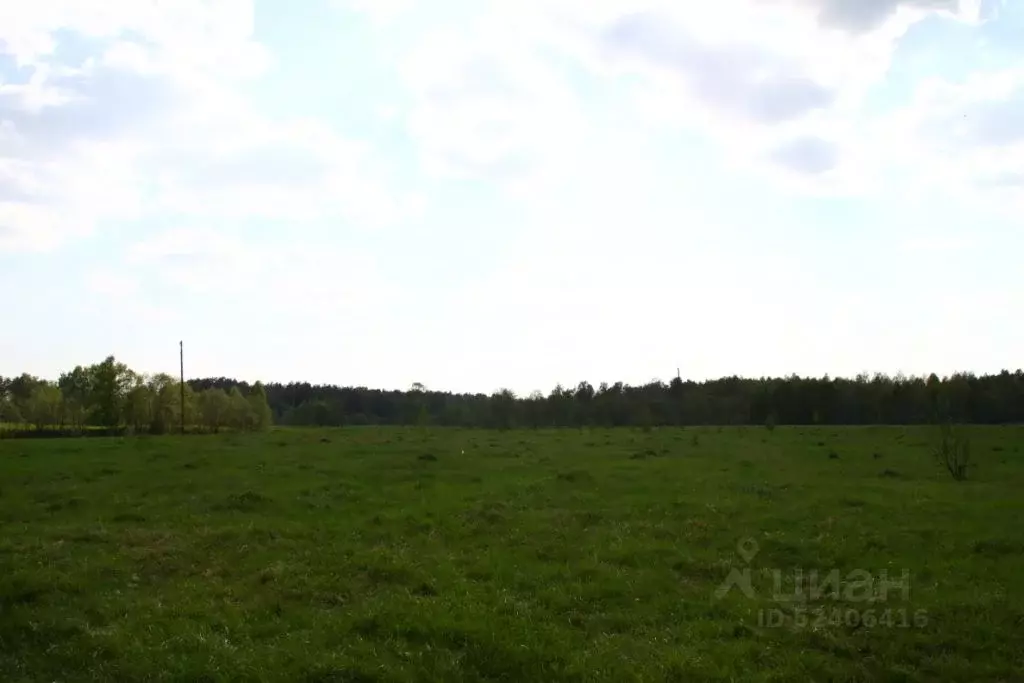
[[419, 554]]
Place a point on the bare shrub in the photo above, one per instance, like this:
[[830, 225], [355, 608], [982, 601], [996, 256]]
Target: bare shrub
[[953, 450]]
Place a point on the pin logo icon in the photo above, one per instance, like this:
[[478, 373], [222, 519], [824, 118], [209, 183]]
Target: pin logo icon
[[747, 549], [740, 578]]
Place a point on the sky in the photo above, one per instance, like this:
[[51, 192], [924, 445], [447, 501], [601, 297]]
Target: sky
[[479, 195]]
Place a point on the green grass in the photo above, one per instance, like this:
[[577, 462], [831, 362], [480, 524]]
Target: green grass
[[377, 554]]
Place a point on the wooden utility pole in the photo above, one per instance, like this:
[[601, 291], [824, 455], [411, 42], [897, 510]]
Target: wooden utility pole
[[181, 357]]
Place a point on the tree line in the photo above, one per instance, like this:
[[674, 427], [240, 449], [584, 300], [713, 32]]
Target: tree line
[[111, 395], [878, 399]]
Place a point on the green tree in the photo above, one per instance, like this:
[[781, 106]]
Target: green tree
[[111, 382], [78, 391], [214, 409], [239, 410], [139, 405], [45, 406], [20, 390], [260, 417], [504, 405], [416, 410], [166, 403], [534, 409], [9, 412]]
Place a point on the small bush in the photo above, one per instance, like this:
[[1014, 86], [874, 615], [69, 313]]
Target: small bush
[[953, 451]]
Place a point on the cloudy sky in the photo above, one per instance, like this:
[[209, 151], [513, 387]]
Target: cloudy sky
[[476, 195]]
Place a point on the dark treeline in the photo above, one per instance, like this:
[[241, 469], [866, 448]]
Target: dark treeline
[[110, 395], [991, 399]]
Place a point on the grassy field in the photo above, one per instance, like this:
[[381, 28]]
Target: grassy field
[[373, 554]]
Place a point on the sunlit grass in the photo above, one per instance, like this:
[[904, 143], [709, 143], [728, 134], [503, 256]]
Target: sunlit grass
[[386, 554]]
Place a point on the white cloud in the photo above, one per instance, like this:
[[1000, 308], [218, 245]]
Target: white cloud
[[866, 15], [181, 243], [489, 106], [113, 291], [293, 277], [187, 34], [964, 140], [131, 109], [807, 154], [110, 283], [782, 90], [762, 77], [46, 200], [202, 262], [780, 86], [380, 11]]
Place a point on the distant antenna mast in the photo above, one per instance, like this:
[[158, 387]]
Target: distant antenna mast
[[181, 357]]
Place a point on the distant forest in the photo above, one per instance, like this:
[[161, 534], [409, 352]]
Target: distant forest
[[111, 395]]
